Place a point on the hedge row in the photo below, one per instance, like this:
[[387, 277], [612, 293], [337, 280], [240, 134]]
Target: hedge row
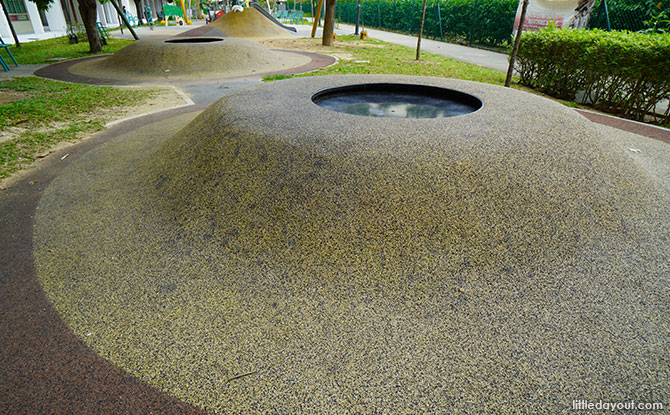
[[491, 23], [623, 72]]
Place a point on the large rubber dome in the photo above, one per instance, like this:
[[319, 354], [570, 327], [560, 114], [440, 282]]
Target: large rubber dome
[[189, 58], [249, 23], [277, 256], [306, 186]]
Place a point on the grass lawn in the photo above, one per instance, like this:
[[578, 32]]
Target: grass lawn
[[42, 113], [41, 51], [374, 56]]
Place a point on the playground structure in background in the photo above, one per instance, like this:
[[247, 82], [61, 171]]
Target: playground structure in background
[[209, 11], [202, 53], [178, 13], [252, 22]]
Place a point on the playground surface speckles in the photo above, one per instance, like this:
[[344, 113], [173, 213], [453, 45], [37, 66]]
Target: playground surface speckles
[[250, 24], [294, 259], [162, 59]]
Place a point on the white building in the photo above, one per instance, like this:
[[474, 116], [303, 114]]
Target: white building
[[32, 24]]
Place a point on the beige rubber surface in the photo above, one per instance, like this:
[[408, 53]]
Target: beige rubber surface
[[293, 259], [249, 23], [160, 60]]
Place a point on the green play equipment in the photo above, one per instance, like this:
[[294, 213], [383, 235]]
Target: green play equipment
[[178, 12]]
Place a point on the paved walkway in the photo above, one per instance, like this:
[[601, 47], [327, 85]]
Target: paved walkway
[[22, 70]]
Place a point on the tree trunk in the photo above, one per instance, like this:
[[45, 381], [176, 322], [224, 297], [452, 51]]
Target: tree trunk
[[418, 40], [87, 9], [517, 40], [138, 7], [317, 19], [328, 23]]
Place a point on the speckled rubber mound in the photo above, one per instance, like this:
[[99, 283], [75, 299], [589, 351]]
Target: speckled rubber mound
[[250, 23], [275, 256], [161, 59]]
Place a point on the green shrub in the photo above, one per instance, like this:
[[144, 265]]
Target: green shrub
[[623, 72]]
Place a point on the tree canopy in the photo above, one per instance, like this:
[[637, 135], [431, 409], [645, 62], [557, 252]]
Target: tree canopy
[[43, 4]]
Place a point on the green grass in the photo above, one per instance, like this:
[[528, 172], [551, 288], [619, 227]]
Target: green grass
[[40, 51], [386, 58], [53, 112], [571, 104]]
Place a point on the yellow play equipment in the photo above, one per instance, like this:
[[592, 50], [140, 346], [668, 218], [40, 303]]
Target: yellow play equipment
[[179, 13], [183, 9]]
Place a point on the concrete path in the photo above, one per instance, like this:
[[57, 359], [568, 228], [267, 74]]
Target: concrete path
[[22, 70]]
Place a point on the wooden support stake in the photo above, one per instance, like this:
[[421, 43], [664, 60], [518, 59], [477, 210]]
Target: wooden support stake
[[517, 40], [317, 18]]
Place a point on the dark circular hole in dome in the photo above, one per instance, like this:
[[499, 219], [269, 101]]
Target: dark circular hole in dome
[[195, 40], [397, 101]]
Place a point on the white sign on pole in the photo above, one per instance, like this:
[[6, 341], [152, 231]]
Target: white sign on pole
[[563, 13]]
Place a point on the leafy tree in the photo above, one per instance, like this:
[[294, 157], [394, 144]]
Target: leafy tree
[[43, 5]]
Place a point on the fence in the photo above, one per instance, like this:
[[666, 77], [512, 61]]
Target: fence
[[484, 22], [489, 23], [628, 14]]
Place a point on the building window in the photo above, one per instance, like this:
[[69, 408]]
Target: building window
[[15, 6]]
